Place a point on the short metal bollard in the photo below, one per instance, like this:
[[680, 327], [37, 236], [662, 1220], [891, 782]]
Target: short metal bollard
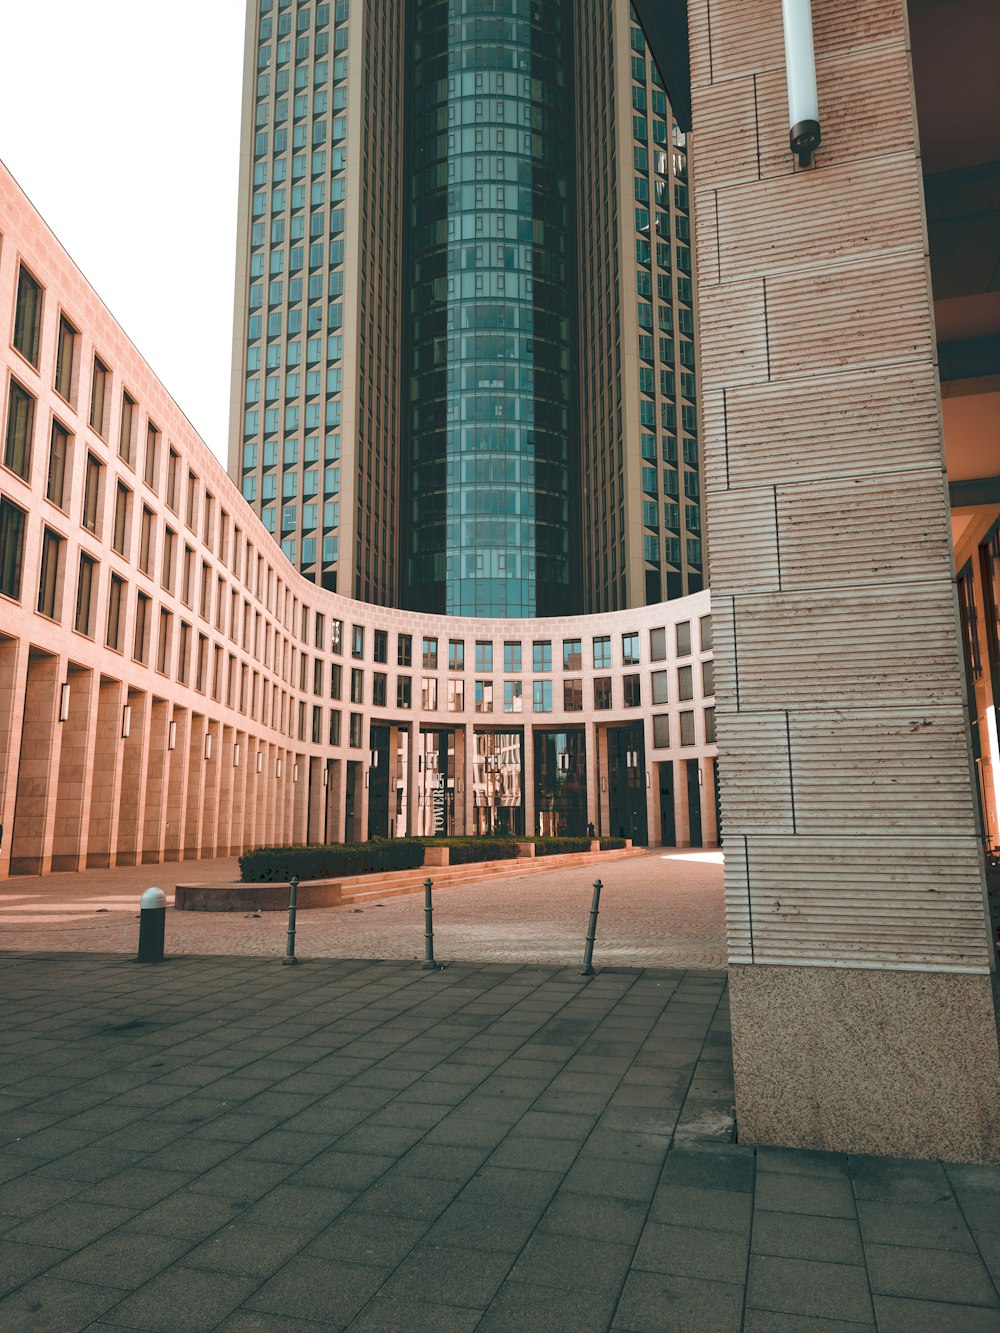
[[289, 959], [587, 970], [152, 926], [429, 964]]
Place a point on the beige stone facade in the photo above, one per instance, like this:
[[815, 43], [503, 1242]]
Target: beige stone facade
[[170, 687]]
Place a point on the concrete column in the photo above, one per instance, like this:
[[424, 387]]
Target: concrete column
[[227, 778], [238, 828], [413, 782], [311, 783], [210, 800], [862, 1009], [709, 824], [73, 783], [528, 780], [466, 772], [196, 787], [650, 778], [155, 811], [179, 732], [105, 774], [682, 813], [34, 811], [337, 798], [604, 784], [593, 777], [132, 796], [13, 682]]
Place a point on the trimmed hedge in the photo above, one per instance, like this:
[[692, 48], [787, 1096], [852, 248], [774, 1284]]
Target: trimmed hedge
[[612, 844], [464, 851], [268, 865], [560, 846]]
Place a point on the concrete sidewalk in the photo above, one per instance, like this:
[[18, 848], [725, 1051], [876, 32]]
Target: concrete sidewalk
[[229, 1144]]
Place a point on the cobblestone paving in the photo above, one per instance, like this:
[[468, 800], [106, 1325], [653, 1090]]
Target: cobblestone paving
[[660, 910]]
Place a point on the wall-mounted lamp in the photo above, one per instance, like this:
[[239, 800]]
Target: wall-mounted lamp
[[374, 758], [64, 702], [172, 736], [208, 745], [126, 721], [800, 72], [237, 754], [260, 761], [647, 780], [277, 768], [604, 784], [367, 771], [326, 777], [295, 772]]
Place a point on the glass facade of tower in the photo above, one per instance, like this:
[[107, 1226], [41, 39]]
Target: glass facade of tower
[[291, 444], [490, 513], [671, 505]]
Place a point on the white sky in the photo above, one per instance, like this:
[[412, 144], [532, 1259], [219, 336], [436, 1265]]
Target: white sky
[[120, 119]]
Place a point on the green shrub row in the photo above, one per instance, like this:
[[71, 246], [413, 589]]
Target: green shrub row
[[464, 851], [560, 846], [612, 844], [267, 865]]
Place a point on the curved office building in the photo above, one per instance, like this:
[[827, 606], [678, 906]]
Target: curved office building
[[490, 405]]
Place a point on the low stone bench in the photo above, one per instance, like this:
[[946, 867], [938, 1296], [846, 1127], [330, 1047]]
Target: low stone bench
[[255, 897]]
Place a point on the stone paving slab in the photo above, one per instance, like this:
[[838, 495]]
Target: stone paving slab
[[225, 1143]]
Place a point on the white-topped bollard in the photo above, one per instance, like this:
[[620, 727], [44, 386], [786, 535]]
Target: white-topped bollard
[[152, 926]]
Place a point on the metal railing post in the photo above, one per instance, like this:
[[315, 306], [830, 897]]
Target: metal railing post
[[587, 970], [428, 964], [289, 959]]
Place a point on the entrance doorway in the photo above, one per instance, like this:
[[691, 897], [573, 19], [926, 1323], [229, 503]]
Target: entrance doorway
[[627, 784], [668, 820]]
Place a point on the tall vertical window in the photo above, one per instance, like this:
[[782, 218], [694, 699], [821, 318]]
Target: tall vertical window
[[116, 613], [380, 650], [91, 493], [456, 654], [98, 395], [48, 579], [430, 654], [152, 455], [173, 465], [65, 358], [126, 428], [27, 316], [12, 523], [484, 655], [169, 550], [85, 595], [20, 425], [55, 486], [122, 497], [163, 643], [684, 638], [140, 646], [146, 541]]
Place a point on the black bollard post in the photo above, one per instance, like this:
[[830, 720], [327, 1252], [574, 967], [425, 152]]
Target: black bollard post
[[587, 970], [289, 959], [152, 926], [428, 964]]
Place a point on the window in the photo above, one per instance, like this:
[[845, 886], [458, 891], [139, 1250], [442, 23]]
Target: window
[[541, 655], [48, 581], [573, 696], [710, 726], [184, 654], [163, 643], [661, 731], [708, 679], [685, 684], [27, 316], [630, 650], [125, 429], [484, 696], [456, 696], [705, 628], [602, 692], [512, 657], [357, 641], [429, 693], [658, 645], [65, 358], [116, 613], [169, 550], [146, 541], [357, 685], [541, 696], [632, 691], [380, 650], [430, 654], [336, 636], [122, 497], [55, 486], [140, 647], [152, 456], [91, 493], [659, 682], [456, 654], [687, 728], [404, 692], [12, 524], [20, 424], [572, 655], [602, 654], [173, 467], [404, 650], [380, 689], [684, 638], [98, 395], [484, 655], [85, 595], [512, 694], [355, 730]]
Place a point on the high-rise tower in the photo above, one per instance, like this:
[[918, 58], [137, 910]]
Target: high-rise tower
[[463, 369]]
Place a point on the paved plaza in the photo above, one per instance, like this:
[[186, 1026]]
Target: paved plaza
[[221, 1142], [661, 910]]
